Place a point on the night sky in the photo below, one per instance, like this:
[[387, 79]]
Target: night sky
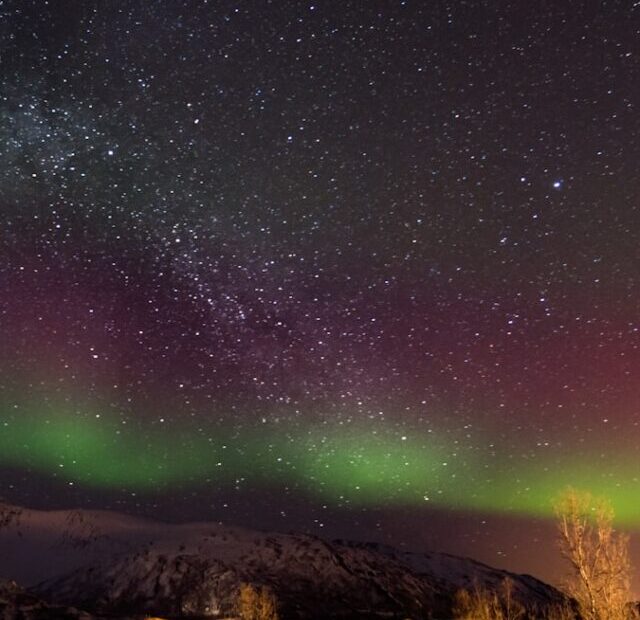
[[332, 267]]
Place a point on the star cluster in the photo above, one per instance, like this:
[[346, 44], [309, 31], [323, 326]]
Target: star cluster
[[350, 254]]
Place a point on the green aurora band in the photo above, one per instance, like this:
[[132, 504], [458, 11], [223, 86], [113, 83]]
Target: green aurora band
[[344, 464]]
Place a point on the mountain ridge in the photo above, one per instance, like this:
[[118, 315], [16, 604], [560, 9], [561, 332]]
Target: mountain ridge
[[109, 563]]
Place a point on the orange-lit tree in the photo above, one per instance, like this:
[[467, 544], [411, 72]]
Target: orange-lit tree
[[600, 575]]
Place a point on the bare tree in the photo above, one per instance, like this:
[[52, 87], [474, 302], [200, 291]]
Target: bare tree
[[598, 555], [484, 604], [256, 603]]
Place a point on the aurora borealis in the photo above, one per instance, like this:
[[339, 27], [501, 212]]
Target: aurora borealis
[[336, 465], [339, 259]]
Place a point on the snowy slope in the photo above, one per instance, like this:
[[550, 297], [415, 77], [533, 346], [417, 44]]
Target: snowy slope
[[112, 563], [17, 604]]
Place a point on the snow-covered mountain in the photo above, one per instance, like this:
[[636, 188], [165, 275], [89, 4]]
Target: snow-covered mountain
[[115, 564], [16, 604]]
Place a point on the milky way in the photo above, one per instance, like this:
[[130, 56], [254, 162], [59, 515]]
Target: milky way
[[354, 255]]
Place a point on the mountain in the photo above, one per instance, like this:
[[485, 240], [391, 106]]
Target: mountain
[[113, 564], [16, 603]]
